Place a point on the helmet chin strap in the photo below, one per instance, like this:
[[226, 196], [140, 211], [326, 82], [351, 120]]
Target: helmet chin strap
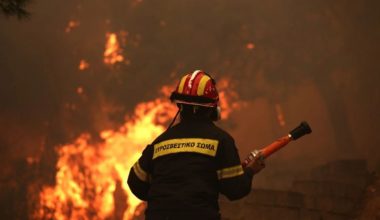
[[175, 117], [218, 113]]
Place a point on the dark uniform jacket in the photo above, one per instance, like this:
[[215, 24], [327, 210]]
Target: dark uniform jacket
[[182, 172]]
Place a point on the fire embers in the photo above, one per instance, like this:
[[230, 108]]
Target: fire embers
[[113, 51], [71, 25], [83, 65]]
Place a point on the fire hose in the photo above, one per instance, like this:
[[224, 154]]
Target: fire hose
[[268, 150]]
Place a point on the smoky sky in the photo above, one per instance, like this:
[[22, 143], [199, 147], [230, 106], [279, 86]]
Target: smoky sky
[[317, 59]]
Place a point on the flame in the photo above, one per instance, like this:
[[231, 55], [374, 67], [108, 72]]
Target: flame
[[87, 172], [91, 176], [83, 64], [112, 52], [228, 98], [71, 25]]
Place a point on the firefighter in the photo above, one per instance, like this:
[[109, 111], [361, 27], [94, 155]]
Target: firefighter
[[182, 172]]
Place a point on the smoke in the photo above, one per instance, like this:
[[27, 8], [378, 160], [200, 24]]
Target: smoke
[[317, 60]]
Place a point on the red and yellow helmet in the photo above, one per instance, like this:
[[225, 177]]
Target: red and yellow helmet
[[196, 88]]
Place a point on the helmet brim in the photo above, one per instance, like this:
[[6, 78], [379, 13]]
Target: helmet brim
[[209, 105]]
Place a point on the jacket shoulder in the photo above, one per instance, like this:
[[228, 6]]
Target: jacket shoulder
[[224, 135]]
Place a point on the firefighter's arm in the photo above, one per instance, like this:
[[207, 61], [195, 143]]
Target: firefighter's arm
[[234, 180], [139, 175]]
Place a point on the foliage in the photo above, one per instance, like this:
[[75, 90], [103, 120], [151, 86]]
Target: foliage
[[15, 8]]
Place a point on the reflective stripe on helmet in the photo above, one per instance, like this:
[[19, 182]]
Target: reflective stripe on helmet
[[195, 73], [182, 84], [202, 85]]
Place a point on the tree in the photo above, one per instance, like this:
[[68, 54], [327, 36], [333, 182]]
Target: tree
[[15, 8]]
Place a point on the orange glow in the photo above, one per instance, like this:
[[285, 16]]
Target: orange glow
[[167, 90], [112, 52], [71, 25], [83, 64], [250, 46], [228, 98], [280, 115], [80, 90], [91, 176], [87, 172]]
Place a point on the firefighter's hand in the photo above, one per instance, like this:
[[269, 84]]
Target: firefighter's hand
[[257, 164]]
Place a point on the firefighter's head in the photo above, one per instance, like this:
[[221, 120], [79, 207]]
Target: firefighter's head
[[196, 96]]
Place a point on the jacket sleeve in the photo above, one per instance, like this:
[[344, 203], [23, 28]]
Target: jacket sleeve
[[140, 173], [234, 181]]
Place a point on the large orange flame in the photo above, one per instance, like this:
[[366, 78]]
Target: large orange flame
[[87, 172], [91, 177]]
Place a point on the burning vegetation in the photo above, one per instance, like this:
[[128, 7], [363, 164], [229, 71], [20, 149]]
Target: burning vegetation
[[91, 176], [90, 179], [90, 173], [283, 57]]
